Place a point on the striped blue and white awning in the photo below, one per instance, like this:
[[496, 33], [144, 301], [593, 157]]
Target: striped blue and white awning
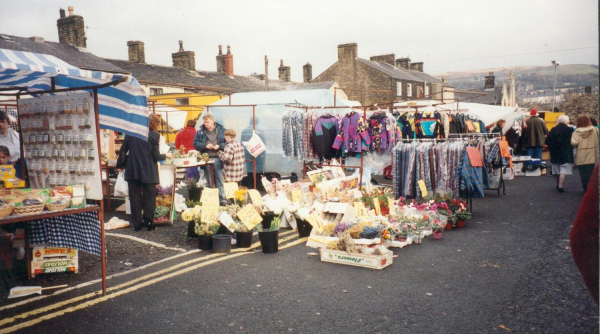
[[122, 108]]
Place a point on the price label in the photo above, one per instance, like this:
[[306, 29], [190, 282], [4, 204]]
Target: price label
[[255, 197], [474, 157], [249, 216], [423, 188], [230, 188], [210, 196], [316, 221], [391, 206], [372, 213], [227, 221], [377, 206], [361, 211], [209, 213], [296, 195]]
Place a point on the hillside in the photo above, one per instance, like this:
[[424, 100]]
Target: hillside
[[540, 77]]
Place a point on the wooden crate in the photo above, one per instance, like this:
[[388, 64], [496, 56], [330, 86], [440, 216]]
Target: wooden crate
[[357, 260]]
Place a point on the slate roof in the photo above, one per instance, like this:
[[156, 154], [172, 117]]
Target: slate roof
[[70, 54], [175, 75], [390, 70], [428, 78]]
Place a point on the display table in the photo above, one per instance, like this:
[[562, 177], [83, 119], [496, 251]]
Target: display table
[[200, 164], [79, 228]]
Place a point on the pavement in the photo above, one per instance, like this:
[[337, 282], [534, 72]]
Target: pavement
[[509, 269]]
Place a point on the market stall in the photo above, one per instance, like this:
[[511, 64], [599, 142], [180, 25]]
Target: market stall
[[60, 110]]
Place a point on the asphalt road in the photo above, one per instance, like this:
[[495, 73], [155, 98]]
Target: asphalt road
[[510, 269]]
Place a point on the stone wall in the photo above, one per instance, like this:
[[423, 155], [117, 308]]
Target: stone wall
[[71, 31], [581, 105], [184, 59], [137, 52]]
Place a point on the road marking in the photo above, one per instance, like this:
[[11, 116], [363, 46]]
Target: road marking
[[82, 285], [139, 279], [144, 241], [128, 290]]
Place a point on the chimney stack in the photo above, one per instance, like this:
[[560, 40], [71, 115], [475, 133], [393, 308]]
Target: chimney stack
[[184, 59], [228, 62], [136, 52], [284, 72], [220, 60], [417, 66], [347, 52], [403, 63], [490, 81], [388, 58], [71, 29], [307, 72]]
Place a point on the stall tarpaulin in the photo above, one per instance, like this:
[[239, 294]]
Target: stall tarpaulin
[[270, 107], [122, 108]]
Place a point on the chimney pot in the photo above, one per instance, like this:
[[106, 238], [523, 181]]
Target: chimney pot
[[70, 10], [62, 13], [228, 50], [220, 50], [281, 63], [181, 46]]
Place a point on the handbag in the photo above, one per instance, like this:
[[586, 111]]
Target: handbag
[[122, 161]]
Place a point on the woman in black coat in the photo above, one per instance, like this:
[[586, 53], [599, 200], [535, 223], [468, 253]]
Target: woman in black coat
[[561, 151], [141, 174]]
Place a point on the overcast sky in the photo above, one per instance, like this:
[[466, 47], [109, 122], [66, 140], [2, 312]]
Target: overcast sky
[[447, 35]]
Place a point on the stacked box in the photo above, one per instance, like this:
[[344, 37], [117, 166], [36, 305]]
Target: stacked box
[[48, 260]]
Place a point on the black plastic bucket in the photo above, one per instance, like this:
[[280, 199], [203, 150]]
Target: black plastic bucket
[[205, 242], [244, 239], [221, 243], [192, 230], [267, 219], [269, 241], [304, 228], [194, 194]]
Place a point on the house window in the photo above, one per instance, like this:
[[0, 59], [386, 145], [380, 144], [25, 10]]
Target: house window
[[156, 91], [426, 90], [182, 101], [409, 90], [399, 89]]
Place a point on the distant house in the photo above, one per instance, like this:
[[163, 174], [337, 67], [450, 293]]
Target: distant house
[[404, 79], [495, 94]]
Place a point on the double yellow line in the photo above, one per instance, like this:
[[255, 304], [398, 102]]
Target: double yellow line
[[215, 259]]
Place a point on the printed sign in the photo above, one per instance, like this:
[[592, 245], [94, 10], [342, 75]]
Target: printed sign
[[391, 206], [504, 150], [230, 188], [361, 211], [423, 188], [474, 157], [209, 213], [255, 197], [210, 196], [249, 216], [316, 221], [377, 206]]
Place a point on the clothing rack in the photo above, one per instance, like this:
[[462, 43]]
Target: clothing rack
[[305, 164]]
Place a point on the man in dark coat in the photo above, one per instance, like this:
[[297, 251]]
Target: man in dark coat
[[534, 135], [561, 151], [210, 139]]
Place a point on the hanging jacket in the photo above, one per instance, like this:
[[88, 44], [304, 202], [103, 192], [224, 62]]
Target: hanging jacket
[[351, 132], [427, 124], [378, 131], [323, 135]]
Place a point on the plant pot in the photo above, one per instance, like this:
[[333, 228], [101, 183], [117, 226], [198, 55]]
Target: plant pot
[[385, 211], [269, 241], [402, 239], [221, 243], [437, 234], [304, 228], [244, 239], [417, 238], [192, 230], [448, 226], [194, 194], [460, 223], [205, 242], [267, 219]]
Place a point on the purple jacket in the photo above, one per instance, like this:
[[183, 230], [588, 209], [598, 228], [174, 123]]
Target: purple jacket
[[353, 129]]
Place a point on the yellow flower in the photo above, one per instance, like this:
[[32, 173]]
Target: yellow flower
[[187, 215]]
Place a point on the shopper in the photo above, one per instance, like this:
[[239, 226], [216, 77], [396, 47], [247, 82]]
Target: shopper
[[534, 135], [185, 140], [141, 174], [585, 139], [232, 158], [210, 139], [499, 126], [561, 151], [8, 136]]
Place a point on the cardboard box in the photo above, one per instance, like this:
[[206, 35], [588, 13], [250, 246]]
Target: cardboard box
[[509, 174], [536, 172], [357, 260], [45, 253], [48, 260]]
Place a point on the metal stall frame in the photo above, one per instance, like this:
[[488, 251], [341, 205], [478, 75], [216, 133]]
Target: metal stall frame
[[100, 206]]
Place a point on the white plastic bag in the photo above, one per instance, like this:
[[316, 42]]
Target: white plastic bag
[[121, 187], [255, 145]]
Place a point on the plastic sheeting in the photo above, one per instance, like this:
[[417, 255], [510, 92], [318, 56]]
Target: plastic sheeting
[[270, 107]]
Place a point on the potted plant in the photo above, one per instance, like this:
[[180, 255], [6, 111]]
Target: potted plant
[[164, 204], [193, 189], [460, 215], [269, 237], [438, 226], [205, 231]]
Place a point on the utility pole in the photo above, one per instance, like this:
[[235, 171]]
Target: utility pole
[[555, 64], [266, 74]]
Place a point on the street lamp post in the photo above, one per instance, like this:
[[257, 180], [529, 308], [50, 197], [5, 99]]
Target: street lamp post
[[555, 64]]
